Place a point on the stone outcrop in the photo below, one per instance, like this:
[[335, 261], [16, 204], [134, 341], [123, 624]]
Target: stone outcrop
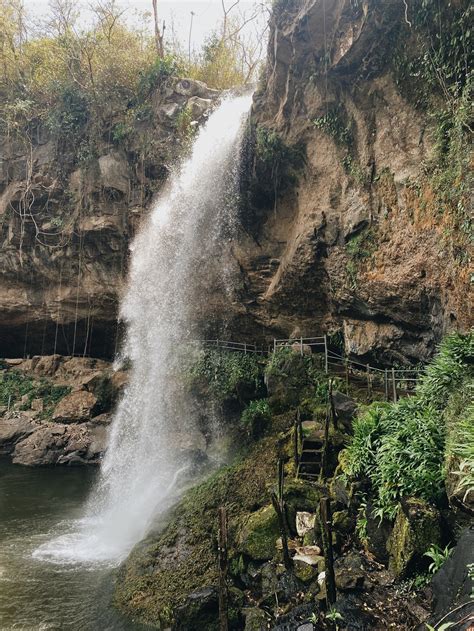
[[66, 223], [348, 242], [73, 431]]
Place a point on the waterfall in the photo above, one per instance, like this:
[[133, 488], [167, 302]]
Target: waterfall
[[182, 239]]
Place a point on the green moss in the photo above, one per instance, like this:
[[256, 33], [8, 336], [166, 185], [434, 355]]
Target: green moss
[[182, 558], [14, 385], [305, 572], [258, 535], [416, 529]]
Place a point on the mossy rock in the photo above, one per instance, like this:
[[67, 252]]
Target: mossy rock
[[343, 522], [416, 529], [304, 572], [256, 619], [258, 535], [300, 496]]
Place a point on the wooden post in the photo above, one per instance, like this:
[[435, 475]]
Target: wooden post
[[222, 550], [394, 386], [274, 345], [369, 383], [346, 366], [301, 346], [296, 444], [324, 460], [331, 405], [245, 348], [282, 527], [326, 526], [326, 354], [386, 384], [281, 481], [300, 426]]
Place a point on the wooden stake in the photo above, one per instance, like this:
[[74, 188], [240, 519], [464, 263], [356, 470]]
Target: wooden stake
[[222, 550], [386, 384], [326, 526], [326, 363], [282, 527], [394, 386], [281, 481], [346, 365], [331, 405], [324, 459], [296, 444], [369, 382]]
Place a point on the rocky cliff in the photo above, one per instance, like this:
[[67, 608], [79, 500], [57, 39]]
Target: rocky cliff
[[355, 196], [67, 218], [354, 222]]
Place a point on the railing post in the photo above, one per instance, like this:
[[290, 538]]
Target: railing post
[[274, 345], [301, 346], [222, 550], [394, 386], [369, 382], [346, 367], [385, 383], [245, 348], [326, 354], [326, 526]]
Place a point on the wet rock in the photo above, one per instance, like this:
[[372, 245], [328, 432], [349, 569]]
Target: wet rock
[[343, 522], [13, 429], [349, 572], [377, 534], [76, 407], [279, 583], [416, 528], [199, 611], [192, 87], [296, 620], [311, 555], [198, 106], [258, 536], [344, 406], [305, 572], [453, 584], [255, 619]]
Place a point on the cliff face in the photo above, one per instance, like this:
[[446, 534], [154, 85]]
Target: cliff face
[[354, 237], [350, 219], [66, 220]]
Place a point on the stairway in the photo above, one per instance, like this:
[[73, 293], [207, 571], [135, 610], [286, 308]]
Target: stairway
[[311, 455]]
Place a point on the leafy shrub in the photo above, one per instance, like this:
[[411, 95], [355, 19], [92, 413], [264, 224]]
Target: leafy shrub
[[14, 385], [227, 375], [334, 124], [256, 416], [400, 447]]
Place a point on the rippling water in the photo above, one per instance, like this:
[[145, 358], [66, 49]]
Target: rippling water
[[34, 593]]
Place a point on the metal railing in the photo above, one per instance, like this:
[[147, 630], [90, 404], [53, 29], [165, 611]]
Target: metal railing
[[392, 381]]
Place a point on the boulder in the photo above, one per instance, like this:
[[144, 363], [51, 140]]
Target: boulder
[[304, 522], [198, 106], [114, 173], [279, 583], [453, 584], [60, 444], [258, 536], [14, 429], [76, 407], [256, 619], [300, 496], [199, 611], [416, 528], [349, 572], [344, 406], [192, 87]]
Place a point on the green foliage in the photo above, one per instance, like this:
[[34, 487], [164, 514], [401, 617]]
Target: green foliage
[[438, 556], [183, 124], [226, 375], [156, 75], [359, 248], [14, 385], [256, 416], [277, 163], [459, 460], [353, 168], [334, 124], [400, 447]]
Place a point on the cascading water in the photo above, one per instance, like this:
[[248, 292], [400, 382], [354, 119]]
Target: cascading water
[[166, 290]]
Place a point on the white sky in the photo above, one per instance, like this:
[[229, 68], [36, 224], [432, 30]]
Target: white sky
[[175, 13]]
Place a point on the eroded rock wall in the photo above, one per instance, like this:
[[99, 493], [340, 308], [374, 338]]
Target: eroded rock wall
[[357, 245], [66, 221]]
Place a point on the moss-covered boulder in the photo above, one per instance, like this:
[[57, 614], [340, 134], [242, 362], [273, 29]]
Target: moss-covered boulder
[[258, 534], [304, 572], [416, 528], [300, 496]]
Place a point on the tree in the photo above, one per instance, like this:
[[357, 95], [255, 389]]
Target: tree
[[159, 34]]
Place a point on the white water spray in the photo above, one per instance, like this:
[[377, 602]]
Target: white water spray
[[166, 290]]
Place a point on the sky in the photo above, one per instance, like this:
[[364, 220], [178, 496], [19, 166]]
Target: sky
[[175, 13]]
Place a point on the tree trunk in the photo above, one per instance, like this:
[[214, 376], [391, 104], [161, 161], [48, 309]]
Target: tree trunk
[[158, 33]]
